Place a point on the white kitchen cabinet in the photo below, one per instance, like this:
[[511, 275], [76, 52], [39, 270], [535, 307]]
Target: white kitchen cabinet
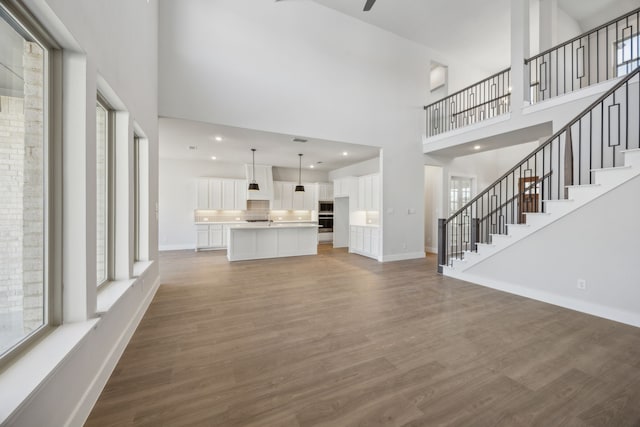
[[325, 192], [345, 187], [241, 186], [215, 236], [375, 192], [353, 234], [375, 242], [202, 236], [364, 240], [202, 193], [228, 195], [368, 193], [221, 194], [212, 236], [215, 194], [286, 198]]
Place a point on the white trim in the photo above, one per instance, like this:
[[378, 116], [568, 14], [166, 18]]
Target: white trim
[[180, 247], [610, 313], [82, 410], [22, 380], [402, 257], [431, 249]]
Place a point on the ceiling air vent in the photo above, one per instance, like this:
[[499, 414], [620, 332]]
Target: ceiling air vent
[[299, 140], [193, 147]]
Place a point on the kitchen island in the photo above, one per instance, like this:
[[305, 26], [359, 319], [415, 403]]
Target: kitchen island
[[269, 240]]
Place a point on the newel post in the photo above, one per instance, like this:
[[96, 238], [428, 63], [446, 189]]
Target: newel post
[[442, 243]]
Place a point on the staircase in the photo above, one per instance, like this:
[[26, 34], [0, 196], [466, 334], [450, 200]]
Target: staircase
[[593, 154], [606, 179]]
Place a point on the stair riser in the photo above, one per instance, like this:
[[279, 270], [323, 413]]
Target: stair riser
[[580, 194], [537, 221], [501, 240], [632, 158], [609, 177], [559, 207], [518, 232]]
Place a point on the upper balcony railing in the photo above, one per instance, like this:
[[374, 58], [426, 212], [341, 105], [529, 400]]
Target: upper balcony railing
[[488, 98], [608, 51]]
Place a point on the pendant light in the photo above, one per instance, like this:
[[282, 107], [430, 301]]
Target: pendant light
[[300, 187], [253, 185]]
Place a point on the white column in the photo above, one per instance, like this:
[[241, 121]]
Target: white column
[[519, 52], [548, 24]]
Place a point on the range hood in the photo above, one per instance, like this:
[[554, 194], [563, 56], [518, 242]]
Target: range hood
[[264, 177]]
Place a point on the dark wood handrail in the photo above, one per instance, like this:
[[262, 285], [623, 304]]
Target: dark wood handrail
[[588, 33], [548, 141], [469, 87]]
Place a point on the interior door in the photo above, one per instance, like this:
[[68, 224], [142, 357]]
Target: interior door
[[528, 197]]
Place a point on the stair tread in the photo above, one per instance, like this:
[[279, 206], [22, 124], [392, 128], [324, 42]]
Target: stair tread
[[631, 150], [559, 200], [583, 186], [611, 168]]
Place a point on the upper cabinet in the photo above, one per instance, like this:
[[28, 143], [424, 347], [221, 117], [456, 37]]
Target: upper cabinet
[[345, 187], [369, 193], [221, 194], [325, 192], [286, 198], [264, 178]]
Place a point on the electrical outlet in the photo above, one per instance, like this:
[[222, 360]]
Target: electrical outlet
[[582, 284]]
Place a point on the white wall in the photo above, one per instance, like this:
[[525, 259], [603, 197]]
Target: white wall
[[593, 243], [116, 40], [433, 187], [357, 169], [303, 69]]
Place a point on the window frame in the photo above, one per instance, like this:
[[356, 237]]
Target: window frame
[[18, 17], [111, 185]]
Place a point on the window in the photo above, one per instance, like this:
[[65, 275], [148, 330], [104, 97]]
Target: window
[[137, 170], [24, 184], [627, 55], [103, 188], [141, 198]]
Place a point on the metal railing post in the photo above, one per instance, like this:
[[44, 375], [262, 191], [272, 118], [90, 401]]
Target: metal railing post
[[442, 243]]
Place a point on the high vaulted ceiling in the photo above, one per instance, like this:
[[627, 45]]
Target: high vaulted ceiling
[[473, 30]]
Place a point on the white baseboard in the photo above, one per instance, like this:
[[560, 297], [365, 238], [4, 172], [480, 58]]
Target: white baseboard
[[402, 257], [82, 410], [176, 247], [626, 317]]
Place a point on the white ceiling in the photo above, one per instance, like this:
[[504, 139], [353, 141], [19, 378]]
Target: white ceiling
[[176, 135], [471, 30]]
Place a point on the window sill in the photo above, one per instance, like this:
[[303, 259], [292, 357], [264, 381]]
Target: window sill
[[111, 292], [139, 267], [24, 376]]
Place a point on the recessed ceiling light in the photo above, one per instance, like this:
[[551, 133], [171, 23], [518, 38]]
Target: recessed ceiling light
[[344, 153], [311, 166], [213, 157], [476, 147], [218, 138]]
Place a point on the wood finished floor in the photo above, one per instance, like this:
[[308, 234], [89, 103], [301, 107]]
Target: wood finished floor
[[341, 340]]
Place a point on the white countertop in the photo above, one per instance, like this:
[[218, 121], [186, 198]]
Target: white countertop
[[273, 225], [365, 225], [246, 222]]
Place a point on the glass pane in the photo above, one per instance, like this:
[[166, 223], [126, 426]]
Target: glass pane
[[102, 192], [22, 167]]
